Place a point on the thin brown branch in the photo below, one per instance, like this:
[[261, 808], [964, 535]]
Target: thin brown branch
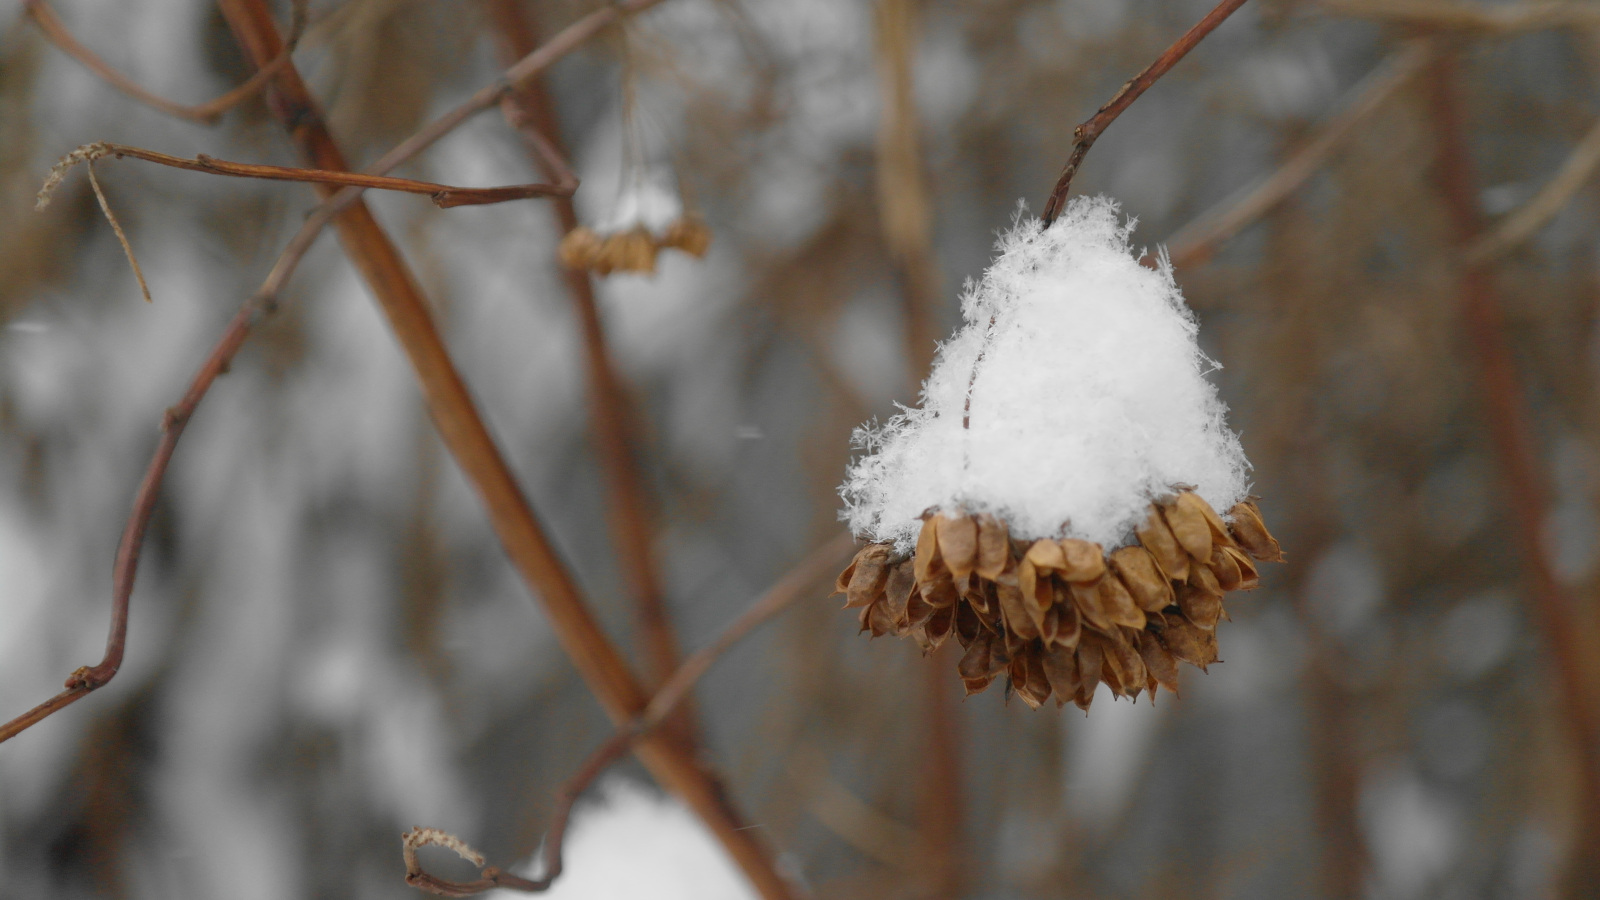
[[530, 111], [89, 678], [816, 567], [1195, 242], [1087, 133], [1499, 18], [465, 434], [1543, 206], [1511, 431], [57, 33], [443, 195]]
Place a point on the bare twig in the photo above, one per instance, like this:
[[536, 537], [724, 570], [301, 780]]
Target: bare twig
[[529, 110], [116, 228], [1499, 18], [444, 196], [1527, 220], [89, 678], [1195, 242], [1087, 133], [1511, 430], [816, 567], [57, 33]]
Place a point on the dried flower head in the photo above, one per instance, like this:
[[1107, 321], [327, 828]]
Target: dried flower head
[[1059, 616], [649, 218], [1052, 502]]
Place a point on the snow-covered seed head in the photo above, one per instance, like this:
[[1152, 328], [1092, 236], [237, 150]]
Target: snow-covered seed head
[[1052, 501], [649, 218]]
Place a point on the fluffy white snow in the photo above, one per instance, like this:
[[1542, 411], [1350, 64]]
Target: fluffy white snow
[[640, 845], [1088, 396]]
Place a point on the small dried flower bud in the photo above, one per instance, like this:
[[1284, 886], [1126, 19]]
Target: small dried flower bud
[[1189, 525], [1083, 561], [1192, 644], [1118, 605], [994, 546], [1199, 606], [1142, 577], [927, 555], [1249, 578], [871, 571], [1047, 556], [958, 543], [580, 248], [1157, 537], [1061, 670], [1252, 533], [1160, 666], [688, 234], [636, 251]]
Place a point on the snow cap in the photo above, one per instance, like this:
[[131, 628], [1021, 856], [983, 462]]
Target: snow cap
[[1073, 394]]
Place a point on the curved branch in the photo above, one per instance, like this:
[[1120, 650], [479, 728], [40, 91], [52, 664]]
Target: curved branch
[[1086, 134], [207, 113], [817, 566]]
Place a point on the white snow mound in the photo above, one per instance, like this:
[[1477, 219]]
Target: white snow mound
[[1088, 397], [636, 844]]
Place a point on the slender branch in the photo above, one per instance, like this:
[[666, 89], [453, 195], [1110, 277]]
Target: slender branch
[[1501, 18], [465, 434], [1511, 430], [531, 112], [1551, 199], [207, 113], [443, 195], [1195, 242], [90, 678], [816, 567], [1087, 133]]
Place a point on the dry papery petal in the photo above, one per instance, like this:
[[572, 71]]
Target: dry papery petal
[[1057, 617]]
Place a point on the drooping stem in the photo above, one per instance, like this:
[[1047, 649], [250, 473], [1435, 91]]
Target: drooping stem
[[1087, 133]]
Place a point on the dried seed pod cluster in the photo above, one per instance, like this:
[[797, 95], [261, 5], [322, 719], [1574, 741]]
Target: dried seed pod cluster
[[633, 250], [1057, 617]]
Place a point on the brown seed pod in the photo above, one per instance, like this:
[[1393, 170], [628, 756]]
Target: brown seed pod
[[1060, 616], [1160, 665], [1061, 670], [1118, 605], [1192, 644], [689, 234], [1083, 561], [958, 543], [579, 248], [994, 546], [1143, 578], [871, 572], [1157, 537], [1199, 606], [1183, 514], [1252, 533]]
